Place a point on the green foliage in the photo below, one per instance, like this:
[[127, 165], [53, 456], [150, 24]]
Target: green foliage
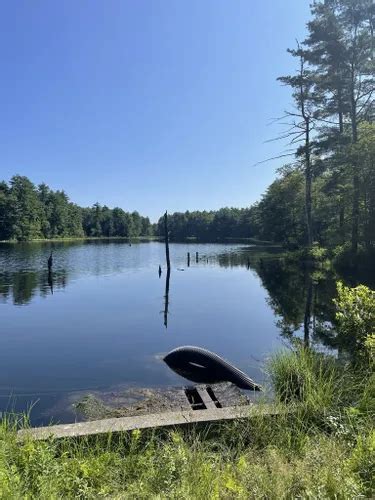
[[362, 461], [369, 345], [27, 213], [101, 221], [366, 401], [181, 466], [24, 210], [355, 316], [340, 252], [318, 253], [280, 212], [209, 226]]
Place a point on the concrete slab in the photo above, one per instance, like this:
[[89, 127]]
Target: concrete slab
[[166, 419]]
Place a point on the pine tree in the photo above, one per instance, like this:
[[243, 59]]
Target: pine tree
[[302, 125], [25, 210]]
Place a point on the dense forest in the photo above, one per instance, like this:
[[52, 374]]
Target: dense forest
[[326, 194], [209, 226], [28, 212]]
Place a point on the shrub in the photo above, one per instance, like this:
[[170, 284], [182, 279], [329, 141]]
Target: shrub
[[355, 317], [370, 347]]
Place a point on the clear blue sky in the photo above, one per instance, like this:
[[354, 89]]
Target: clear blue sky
[[146, 104]]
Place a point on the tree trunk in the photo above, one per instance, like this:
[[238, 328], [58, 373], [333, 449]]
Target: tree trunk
[[356, 186], [166, 234], [340, 112], [341, 223], [308, 183]]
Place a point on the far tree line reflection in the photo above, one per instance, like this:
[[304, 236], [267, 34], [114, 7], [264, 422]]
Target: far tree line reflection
[[301, 296], [22, 286]]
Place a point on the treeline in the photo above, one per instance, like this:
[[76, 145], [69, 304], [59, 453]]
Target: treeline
[[326, 194], [31, 212], [209, 226], [281, 214]]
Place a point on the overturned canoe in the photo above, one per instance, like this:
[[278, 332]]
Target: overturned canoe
[[205, 367]]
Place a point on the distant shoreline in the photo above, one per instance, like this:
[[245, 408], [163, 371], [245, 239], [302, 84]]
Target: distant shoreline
[[84, 238], [249, 241]]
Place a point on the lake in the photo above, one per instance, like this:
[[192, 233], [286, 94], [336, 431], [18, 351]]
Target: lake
[[103, 320]]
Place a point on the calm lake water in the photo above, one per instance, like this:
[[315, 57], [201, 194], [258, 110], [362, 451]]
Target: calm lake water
[[99, 321]]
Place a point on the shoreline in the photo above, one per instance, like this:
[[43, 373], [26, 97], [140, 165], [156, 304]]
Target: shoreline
[[249, 241], [84, 238]]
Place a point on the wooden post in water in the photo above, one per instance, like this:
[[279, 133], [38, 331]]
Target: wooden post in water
[[167, 277], [166, 240], [50, 262], [188, 259], [196, 257]]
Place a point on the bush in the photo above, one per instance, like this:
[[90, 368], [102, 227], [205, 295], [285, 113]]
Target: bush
[[355, 317], [370, 347]]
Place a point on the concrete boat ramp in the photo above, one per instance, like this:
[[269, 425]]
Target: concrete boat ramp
[[201, 404]]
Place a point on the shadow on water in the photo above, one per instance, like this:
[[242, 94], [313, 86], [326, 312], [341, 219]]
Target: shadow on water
[[22, 286], [301, 296], [166, 297], [50, 280]]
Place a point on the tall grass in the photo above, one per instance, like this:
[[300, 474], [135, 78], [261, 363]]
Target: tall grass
[[306, 377], [180, 467]]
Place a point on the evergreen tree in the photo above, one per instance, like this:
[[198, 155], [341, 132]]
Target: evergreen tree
[[4, 212], [26, 217], [27, 212], [301, 127]]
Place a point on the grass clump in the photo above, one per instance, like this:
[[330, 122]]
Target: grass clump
[[306, 377]]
